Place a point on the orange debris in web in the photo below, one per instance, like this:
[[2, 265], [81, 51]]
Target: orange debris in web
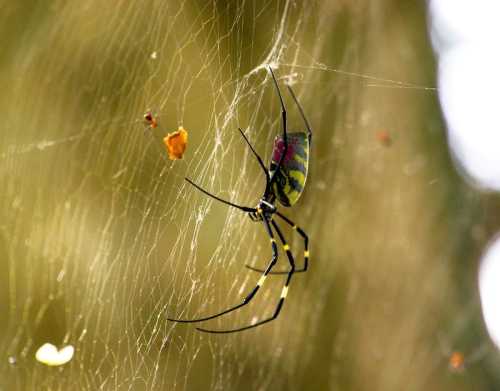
[[176, 143], [384, 138], [456, 361]]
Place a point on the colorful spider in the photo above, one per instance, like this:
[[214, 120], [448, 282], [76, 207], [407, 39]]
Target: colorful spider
[[285, 182]]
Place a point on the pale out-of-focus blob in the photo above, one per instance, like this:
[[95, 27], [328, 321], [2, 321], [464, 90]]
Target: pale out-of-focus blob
[[465, 35], [176, 143], [48, 354], [489, 289]]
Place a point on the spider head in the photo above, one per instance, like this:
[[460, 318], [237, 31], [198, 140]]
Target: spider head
[[264, 209]]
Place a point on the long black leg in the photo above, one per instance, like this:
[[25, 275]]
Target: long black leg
[[306, 122], [284, 291], [250, 296], [285, 140], [306, 248], [259, 159], [243, 208]]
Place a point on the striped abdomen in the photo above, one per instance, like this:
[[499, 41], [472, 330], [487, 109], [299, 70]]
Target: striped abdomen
[[291, 177]]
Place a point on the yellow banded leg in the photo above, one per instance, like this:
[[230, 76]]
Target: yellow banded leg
[[247, 299], [306, 248], [291, 261], [261, 280]]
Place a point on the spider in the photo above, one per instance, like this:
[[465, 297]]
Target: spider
[[285, 182]]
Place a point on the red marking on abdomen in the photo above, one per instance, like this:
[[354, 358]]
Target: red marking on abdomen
[[279, 147]]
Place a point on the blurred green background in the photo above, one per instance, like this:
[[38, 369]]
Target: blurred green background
[[101, 239]]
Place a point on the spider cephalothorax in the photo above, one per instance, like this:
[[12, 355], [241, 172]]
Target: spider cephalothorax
[[285, 181], [264, 210]]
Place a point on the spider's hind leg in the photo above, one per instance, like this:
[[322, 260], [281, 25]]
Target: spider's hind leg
[[284, 291], [249, 297], [306, 248]]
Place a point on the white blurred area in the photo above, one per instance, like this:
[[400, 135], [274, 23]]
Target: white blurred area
[[466, 37], [489, 289]]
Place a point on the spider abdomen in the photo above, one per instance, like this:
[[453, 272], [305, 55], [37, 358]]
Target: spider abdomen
[[291, 176]]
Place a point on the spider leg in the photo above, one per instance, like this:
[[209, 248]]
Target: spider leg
[[250, 296], [306, 122], [243, 208], [285, 141], [259, 159], [284, 291], [306, 248]]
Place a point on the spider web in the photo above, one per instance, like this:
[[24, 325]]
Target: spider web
[[101, 239]]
